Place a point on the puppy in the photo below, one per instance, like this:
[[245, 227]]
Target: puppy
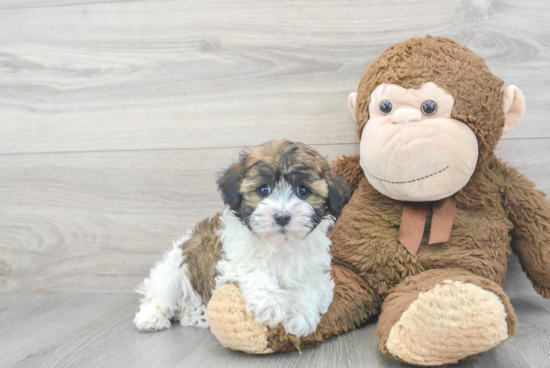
[[282, 198]]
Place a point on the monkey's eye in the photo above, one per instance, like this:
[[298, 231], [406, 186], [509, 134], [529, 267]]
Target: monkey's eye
[[303, 192], [386, 106], [264, 190], [429, 107]]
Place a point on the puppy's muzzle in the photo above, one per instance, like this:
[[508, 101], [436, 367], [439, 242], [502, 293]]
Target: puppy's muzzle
[[282, 219]]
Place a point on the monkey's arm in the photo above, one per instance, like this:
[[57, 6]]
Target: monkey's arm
[[530, 213], [349, 168]]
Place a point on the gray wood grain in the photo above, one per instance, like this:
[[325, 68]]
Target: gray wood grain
[[97, 221], [183, 74], [80, 330], [25, 4]]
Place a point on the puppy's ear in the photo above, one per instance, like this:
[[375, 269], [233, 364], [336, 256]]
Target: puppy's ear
[[338, 194], [229, 183]]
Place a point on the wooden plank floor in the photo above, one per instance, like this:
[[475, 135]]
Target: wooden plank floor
[[96, 330]]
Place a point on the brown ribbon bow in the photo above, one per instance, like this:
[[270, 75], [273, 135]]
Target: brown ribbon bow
[[413, 222]]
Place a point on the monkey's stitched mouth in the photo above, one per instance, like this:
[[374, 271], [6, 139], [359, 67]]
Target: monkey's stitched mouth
[[409, 181]]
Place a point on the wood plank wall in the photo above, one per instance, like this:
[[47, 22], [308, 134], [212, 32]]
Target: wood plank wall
[[116, 115]]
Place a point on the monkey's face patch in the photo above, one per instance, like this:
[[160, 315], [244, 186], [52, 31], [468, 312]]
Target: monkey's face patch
[[411, 149], [282, 190]]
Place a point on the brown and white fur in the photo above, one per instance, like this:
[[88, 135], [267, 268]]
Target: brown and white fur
[[282, 198]]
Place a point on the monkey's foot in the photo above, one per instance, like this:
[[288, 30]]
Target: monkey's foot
[[448, 323]]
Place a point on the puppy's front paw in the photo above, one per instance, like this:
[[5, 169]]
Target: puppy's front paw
[[149, 318], [267, 308], [301, 324]]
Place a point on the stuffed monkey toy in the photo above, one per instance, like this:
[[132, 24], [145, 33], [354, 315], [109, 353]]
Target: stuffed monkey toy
[[424, 240]]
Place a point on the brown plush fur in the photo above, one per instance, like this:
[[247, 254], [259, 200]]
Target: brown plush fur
[[497, 211], [350, 169], [529, 212], [480, 244]]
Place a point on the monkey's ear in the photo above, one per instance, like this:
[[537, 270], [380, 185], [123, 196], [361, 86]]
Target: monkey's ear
[[229, 183], [338, 194], [352, 104], [513, 104]]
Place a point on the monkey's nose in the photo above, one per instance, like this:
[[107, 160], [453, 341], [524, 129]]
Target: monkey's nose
[[404, 116], [282, 218]]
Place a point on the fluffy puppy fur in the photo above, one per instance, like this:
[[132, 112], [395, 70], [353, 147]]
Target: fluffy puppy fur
[[282, 198]]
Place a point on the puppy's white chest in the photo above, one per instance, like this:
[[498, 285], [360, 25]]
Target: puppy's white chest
[[285, 283]]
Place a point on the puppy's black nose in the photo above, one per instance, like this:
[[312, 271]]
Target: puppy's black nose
[[282, 218]]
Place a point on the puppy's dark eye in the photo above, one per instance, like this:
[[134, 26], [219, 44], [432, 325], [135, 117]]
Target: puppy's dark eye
[[386, 106], [429, 107], [264, 190], [303, 192]]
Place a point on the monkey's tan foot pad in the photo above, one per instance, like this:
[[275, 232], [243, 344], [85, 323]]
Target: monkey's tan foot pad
[[447, 324], [232, 326]]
